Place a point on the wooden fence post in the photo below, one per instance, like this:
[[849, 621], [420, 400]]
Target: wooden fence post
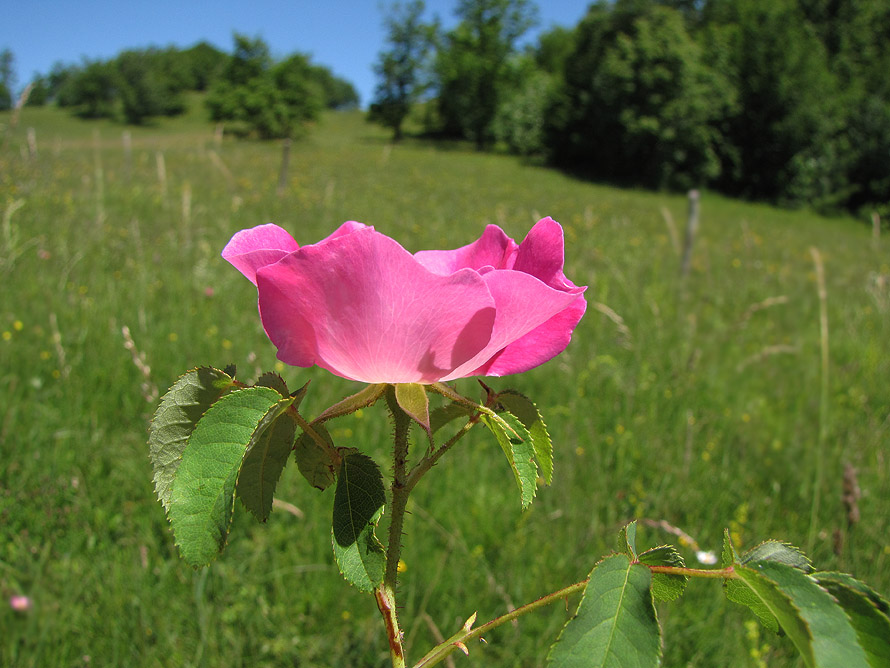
[[282, 174], [691, 231]]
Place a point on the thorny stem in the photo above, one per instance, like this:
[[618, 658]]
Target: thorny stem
[[402, 483], [386, 592]]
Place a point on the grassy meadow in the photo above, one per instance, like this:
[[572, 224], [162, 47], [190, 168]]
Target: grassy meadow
[[701, 402]]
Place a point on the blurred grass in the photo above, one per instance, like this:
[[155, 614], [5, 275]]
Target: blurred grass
[[695, 401]]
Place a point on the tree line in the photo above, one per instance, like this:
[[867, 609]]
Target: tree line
[[248, 89], [786, 101]]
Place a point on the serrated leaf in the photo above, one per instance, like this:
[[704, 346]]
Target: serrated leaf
[[175, 419], [412, 399], [273, 380], [203, 491], [738, 592], [358, 505], [867, 612], [810, 616], [665, 586], [728, 556], [516, 443], [615, 625], [524, 409], [265, 458], [442, 415], [779, 552], [627, 540], [315, 462], [365, 397]]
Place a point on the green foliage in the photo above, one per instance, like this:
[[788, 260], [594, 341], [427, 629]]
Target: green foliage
[[314, 461], [472, 65], [90, 90], [145, 87], [868, 613], [203, 490], [261, 97], [639, 104], [7, 79], [516, 442], [807, 613], [174, 421], [337, 93], [832, 619], [402, 70], [521, 117], [665, 586], [265, 458], [358, 506], [528, 414], [615, 625], [412, 399]]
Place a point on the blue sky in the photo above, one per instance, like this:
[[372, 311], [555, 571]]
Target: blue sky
[[345, 35]]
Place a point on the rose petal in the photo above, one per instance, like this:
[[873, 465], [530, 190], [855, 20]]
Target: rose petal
[[538, 346], [257, 247], [362, 307], [524, 304], [541, 254], [492, 249]]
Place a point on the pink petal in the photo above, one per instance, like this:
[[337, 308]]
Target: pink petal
[[362, 307], [492, 249], [541, 254], [524, 304], [257, 247], [538, 346], [348, 227]]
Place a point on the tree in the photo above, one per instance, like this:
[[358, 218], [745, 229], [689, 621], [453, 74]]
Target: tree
[[788, 128], [7, 79], [401, 69], [639, 105], [337, 93], [150, 84], [265, 98], [90, 90], [473, 65], [203, 62]]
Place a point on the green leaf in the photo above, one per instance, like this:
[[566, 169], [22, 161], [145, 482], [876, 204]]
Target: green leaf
[[867, 612], [358, 506], [665, 586], [412, 399], [738, 592], [174, 421], [273, 380], [729, 556], [314, 461], [265, 458], [615, 625], [779, 552], [516, 443], [524, 409], [203, 490], [442, 415], [365, 397], [808, 614], [627, 540]]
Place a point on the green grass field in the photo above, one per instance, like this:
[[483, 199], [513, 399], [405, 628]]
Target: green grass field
[[697, 402]]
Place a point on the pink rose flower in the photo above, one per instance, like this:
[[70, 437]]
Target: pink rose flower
[[20, 603], [364, 308]]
